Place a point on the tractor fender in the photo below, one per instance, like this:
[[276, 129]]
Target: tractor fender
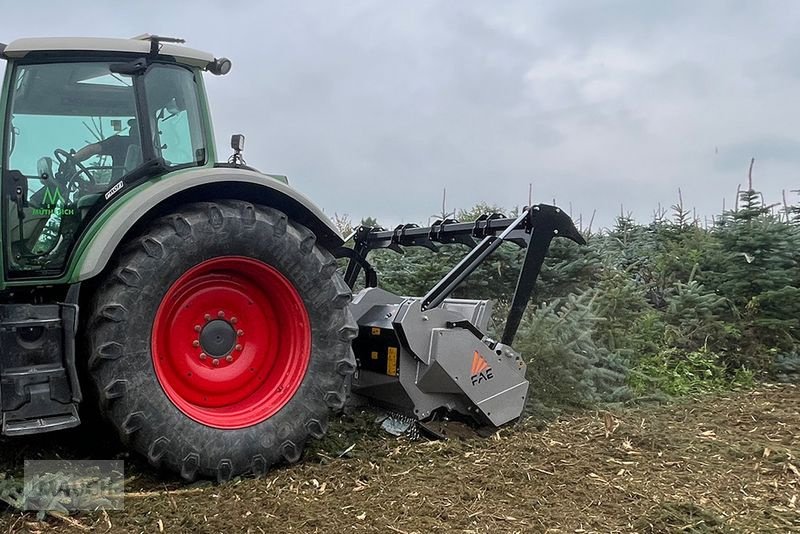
[[157, 197]]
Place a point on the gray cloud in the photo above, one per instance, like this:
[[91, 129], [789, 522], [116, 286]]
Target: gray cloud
[[372, 108], [770, 149]]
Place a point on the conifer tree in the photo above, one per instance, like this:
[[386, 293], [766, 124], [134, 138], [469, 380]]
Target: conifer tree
[[692, 316], [759, 274], [569, 268], [566, 364]]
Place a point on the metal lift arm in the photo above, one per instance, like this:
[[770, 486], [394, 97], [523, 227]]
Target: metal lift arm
[[533, 229]]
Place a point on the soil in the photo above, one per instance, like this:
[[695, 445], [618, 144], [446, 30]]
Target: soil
[[723, 463]]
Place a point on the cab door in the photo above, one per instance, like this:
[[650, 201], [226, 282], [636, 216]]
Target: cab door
[[71, 132]]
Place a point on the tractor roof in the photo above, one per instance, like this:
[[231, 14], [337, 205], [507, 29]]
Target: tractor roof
[[137, 45]]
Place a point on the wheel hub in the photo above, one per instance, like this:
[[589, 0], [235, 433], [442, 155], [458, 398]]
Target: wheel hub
[[217, 338]]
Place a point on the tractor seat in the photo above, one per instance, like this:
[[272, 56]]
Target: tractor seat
[[133, 158], [44, 168]]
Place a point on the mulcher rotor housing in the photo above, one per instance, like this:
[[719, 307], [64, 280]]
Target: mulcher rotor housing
[[197, 305]]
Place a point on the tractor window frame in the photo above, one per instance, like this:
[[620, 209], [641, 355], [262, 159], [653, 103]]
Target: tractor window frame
[[195, 117], [8, 135], [152, 165], [12, 270]]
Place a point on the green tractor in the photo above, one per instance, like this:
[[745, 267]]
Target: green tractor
[[199, 304]]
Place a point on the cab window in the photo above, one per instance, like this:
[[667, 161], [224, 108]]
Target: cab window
[[172, 100], [74, 132], [71, 134]]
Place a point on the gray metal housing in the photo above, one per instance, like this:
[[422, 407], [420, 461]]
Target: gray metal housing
[[437, 363]]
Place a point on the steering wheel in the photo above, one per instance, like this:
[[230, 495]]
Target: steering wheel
[[63, 157]]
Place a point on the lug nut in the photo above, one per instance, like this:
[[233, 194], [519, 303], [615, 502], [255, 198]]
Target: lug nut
[[240, 333], [195, 343], [228, 358], [220, 314], [234, 320], [238, 347], [215, 361], [207, 317], [197, 328], [202, 355]]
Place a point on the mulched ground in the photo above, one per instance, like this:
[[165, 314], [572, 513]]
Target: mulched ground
[[725, 463]]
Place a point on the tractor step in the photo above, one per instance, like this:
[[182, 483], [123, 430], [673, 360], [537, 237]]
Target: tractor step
[[36, 399], [39, 390], [21, 427]]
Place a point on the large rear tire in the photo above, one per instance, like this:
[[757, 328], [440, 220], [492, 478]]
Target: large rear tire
[[220, 340]]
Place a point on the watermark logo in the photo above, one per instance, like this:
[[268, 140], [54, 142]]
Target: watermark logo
[[52, 197], [53, 203], [67, 485]]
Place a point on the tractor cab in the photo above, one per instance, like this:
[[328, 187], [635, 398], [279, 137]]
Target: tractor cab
[[85, 120]]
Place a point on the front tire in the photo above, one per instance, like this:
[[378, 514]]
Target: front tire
[[220, 340]]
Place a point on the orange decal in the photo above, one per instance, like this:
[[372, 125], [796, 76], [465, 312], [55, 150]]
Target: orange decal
[[478, 363]]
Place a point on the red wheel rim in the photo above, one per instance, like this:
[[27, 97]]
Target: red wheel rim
[[231, 342]]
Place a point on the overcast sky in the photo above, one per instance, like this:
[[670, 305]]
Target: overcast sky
[[371, 108]]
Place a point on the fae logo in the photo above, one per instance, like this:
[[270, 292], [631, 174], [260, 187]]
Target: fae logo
[[481, 372]]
